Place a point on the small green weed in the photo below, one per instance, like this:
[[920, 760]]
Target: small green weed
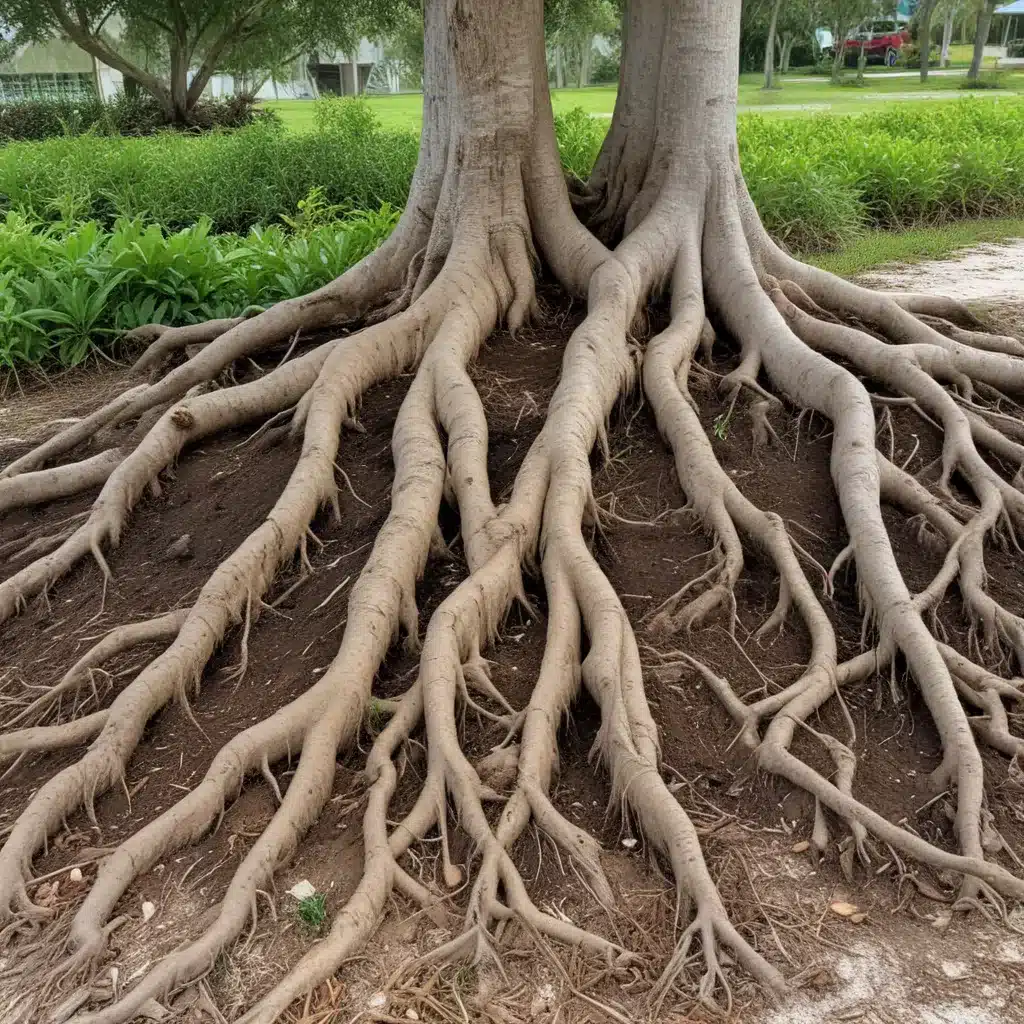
[[312, 912], [721, 425], [376, 716]]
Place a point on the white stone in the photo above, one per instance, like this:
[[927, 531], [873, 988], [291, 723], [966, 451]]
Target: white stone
[[302, 890]]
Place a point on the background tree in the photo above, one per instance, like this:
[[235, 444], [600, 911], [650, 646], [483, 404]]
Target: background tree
[[923, 17], [184, 42], [985, 9], [949, 10], [570, 27], [793, 19], [770, 42], [404, 45], [842, 18], [798, 22]]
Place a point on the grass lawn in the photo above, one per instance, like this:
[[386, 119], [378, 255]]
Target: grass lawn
[[877, 248], [795, 98]]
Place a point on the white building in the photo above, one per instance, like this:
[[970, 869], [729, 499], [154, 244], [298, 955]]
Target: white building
[[59, 68]]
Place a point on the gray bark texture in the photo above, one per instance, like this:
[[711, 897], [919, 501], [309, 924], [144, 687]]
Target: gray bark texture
[[924, 14], [770, 44], [981, 38]]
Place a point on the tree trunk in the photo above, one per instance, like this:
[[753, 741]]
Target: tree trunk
[[924, 35], [981, 39], [586, 49], [769, 45], [179, 108], [559, 67], [838, 60], [787, 49], [947, 36], [862, 60]]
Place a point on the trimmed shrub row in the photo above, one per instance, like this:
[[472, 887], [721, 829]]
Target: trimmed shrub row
[[35, 120]]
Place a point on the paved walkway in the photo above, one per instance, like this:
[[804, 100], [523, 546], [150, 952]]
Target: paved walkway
[[753, 108], [937, 72]]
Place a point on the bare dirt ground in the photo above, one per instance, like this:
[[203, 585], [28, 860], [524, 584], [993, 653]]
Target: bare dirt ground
[[894, 965]]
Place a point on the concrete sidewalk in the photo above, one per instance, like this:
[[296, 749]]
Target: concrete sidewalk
[[937, 72]]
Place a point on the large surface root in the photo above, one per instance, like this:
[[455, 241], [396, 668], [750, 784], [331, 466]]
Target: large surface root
[[466, 255]]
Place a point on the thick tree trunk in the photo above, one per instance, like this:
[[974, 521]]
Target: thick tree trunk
[[981, 39], [769, 45], [178, 95]]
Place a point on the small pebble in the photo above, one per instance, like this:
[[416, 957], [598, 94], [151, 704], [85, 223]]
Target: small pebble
[[75, 876], [181, 548], [148, 910]]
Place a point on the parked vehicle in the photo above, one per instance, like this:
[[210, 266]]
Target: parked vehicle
[[882, 42]]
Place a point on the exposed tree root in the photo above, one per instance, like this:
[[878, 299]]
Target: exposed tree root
[[462, 260], [80, 675]]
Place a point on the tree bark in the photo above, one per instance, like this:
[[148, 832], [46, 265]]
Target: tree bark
[[769, 45], [981, 39], [925, 11], [787, 49], [179, 106], [838, 58], [947, 36], [586, 49]]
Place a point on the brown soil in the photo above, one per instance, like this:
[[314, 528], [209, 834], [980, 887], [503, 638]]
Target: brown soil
[[221, 491]]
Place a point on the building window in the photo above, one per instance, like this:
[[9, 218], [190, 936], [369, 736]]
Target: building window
[[73, 85]]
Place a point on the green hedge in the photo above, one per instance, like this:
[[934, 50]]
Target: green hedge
[[35, 120], [817, 181], [237, 179], [107, 233]]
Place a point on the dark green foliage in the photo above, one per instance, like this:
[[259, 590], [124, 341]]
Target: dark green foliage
[[990, 80], [605, 67], [90, 246], [67, 291], [237, 179], [46, 119]]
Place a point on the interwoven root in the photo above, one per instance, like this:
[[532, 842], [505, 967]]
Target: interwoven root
[[485, 207]]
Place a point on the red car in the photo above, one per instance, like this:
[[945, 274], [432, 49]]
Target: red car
[[882, 41]]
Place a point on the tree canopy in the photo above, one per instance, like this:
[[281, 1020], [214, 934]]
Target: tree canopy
[[157, 43]]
